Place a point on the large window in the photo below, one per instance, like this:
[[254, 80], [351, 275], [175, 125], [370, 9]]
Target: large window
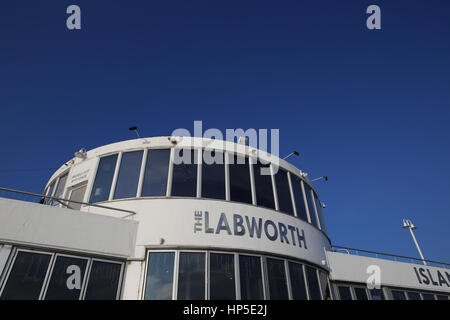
[[59, 192], [156, 172], [191, 278], [159, 276], [213, 175], [298, 286], [77, 195], [283, 192], [240, 187], [221, 279], [276, 275], [377, 294], [103, 179], [311, 205], [428, 296], [263, 185], [251, 278], [320, 213], [360, 293], [398, 295], [313, 283], [50, 192], [413, 295], [128, 178], [184, 181], [299, 200], [104, 281], [345, 293]]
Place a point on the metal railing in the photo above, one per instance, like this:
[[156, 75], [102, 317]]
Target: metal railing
[[44, 200], [388, 256]]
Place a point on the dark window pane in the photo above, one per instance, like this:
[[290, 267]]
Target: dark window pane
[[377, 294], [240, 188], [298, 195], [323, 278], [283, 192], [26, 277], [344, 293], [184, 182], [66, 279], [398, 295], [59, 192], [297, 281], [311, 205], [313, 283], [251, 278], [428, 296], [277, 279], [263, 186], [213, 175], [360, 293], [156, 171], [191, 278], [103, 281], [159, 276], [128, 177], [320, 213], [222, 282], [441, 297], [103, 179], [413, 295]]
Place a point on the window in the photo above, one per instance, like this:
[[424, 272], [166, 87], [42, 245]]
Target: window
[[222, 281], [191, 278], [263, 185], [312, 211], [377, 294], [104, 280], [240, 187], [251, 278], [184, 181], [156, 172], [50, 193], [297, 281], [324, 287], [428, 296], [398, 295], [441, 297], [159, 276], [60, 188], [313, 284], [360, 293], [77, 194], [298, 196], [413, 295], [26, 277], [66, 279], [320, 213], [276, 275], [283, 192], [344, 293], [213, 175], [128, 177], [103, 179]]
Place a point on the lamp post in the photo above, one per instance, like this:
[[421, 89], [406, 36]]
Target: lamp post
[[407, 224]]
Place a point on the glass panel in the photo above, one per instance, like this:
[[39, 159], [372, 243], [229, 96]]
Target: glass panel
[[222, 282], [191, 277], [103, 281], [128, 177], [298, 195], [320, 213], [240, 188], [66, 279], [184, 181], [156, 172], [103, 179], [377, 294], [297, 281], [159, 276], [312, 212], [263, 186], [398, 295], [413, 295], [441, 297], [323, 278], [26, 277], [213, 175], [428, 296], [360, 293], [313, 283], [283, 192], [276, 275], [49, 193], [77, 195], [60, 188], [251, 278], [344, 293]]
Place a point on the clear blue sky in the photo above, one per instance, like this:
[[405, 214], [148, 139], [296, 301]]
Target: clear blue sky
[[370, 109]]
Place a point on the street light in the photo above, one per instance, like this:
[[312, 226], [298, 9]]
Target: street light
[[407, 224]]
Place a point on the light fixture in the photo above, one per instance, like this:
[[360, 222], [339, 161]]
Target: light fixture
[[135, 130], [81, 153], [323, 177], [290, 154], [407, 224]]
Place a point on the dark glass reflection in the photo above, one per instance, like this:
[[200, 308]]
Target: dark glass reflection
[[159, 276], [313, 283], [128, 178], [156, 172], [103, 179], [413, 295], [428, 296], [191, 277], [320, 213], [240, 188], [360, 293], [344, 293], [222, 282], [103, 281], [263, 186], [299, 200], [184, 181], [251, 278], [297, 281], [213, 175], [276, 275], [398, 295], [323, 279], [283, 192], [311, 205], [377, 294]]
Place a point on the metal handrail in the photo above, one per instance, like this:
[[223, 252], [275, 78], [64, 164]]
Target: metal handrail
[[60, 200], [340, 248]]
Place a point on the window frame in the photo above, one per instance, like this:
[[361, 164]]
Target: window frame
[[174, 276]]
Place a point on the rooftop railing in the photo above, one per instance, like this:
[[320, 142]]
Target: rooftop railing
[[55, 201], [388, 256]]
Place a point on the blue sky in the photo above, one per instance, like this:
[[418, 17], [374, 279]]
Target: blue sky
[[370, 109]]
